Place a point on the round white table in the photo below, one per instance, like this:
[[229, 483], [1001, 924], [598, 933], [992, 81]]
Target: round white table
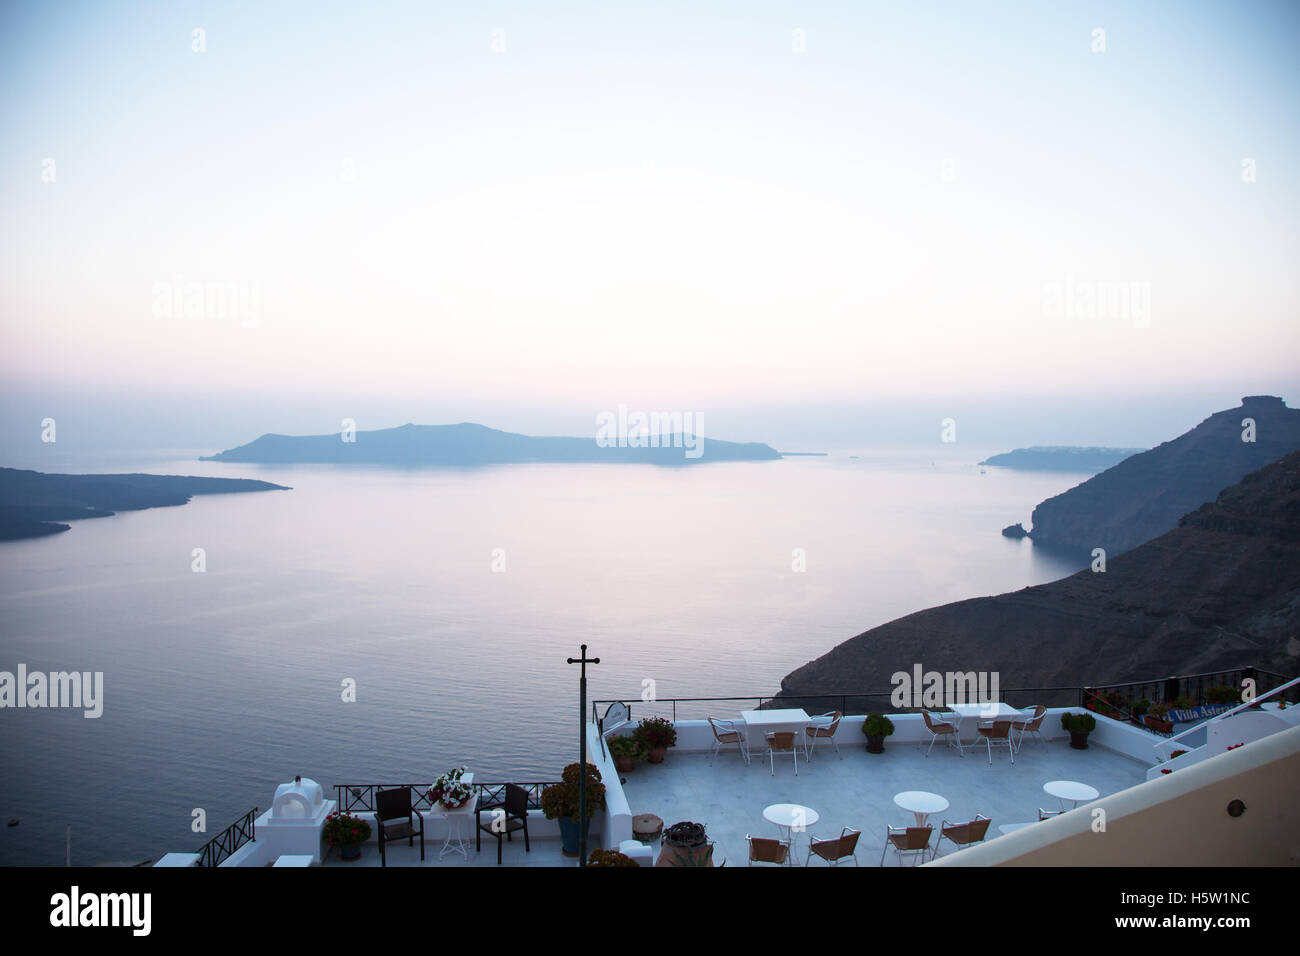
[[1070, 790], [793, 819], [921, 803]]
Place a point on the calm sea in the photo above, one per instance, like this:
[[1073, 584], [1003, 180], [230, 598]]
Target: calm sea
[[220, 685]]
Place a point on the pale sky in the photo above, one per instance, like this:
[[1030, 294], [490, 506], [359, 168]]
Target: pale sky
[[574, 206]]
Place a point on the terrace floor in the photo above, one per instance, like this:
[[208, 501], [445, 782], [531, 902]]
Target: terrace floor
[[858, 790], [544, 853]]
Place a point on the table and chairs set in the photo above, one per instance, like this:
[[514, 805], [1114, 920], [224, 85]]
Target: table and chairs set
[[788, 732]]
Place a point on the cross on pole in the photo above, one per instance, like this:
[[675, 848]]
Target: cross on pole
[[584, 660]]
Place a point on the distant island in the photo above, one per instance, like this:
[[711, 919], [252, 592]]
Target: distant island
[[1089, 460], [33, 504], [470, 444]]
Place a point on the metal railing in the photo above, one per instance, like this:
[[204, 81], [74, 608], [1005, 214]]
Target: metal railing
[[1097, 697], [361, 797], [224, 844], [1253, 703]]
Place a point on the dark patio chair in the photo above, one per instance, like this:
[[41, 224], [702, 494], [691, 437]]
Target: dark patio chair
[[505, 817], [396, 818]]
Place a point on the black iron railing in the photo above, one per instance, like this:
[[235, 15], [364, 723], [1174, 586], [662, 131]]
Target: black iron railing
[[354, 797], [1112, 699], [224, 844]]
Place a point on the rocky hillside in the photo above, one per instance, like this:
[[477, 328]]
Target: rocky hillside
[[1220, 590], [1145, 495]]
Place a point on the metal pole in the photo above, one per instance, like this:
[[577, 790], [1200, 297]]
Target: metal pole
[[582, 759]]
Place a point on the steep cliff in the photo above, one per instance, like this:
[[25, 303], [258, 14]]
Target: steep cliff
[[1145, 495], [1220, 590]]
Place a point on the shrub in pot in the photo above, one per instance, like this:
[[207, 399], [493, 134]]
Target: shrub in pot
[[626, 751], [560, 802], [876, 728], [610, 858], [1079, 726], [658, 734], [1157, 718], [346, 832]]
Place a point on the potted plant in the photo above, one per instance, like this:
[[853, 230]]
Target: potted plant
[[451, 790], [685, 844], [560, 802], [658, 734], [876, 728], [1079, 727], [1157, 718], [626, 751], [610, 858], [1140, 709], [346, 832]]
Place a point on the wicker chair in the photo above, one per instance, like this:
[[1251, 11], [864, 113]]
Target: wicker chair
[[765, 850], [822, 728], [843, 847], [999, 733], [1033, 726], [940, 728], [396, 818], [962, 835], [782, 742], [914, 840], [726, 732]]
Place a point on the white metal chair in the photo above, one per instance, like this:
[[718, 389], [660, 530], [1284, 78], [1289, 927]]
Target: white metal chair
[[914, 840], [962, 835], [941, 728], [1031, 724], [822, 728], [726, 732], [997, 732], [782, 742], [843, 847], [1048, 814]]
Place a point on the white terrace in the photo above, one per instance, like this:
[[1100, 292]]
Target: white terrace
[[1233, 805]]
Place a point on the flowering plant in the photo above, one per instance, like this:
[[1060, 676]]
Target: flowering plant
[[450, 789], [343, 829]]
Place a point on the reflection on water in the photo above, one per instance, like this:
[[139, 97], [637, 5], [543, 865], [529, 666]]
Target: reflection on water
[[452, 597]]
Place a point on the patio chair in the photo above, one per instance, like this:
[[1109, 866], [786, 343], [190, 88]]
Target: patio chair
[[1033, 725], [726, 732], [999, 733], [843, 847], [767, 850], [1048, 814], [914, 840], [822, 728], [941, 728], [962, 834], [396, 818], [507, 816], [782, 742]]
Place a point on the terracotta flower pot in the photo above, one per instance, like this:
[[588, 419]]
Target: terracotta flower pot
[[876, 744], [625, 763], [656, 754], [1078, 740]]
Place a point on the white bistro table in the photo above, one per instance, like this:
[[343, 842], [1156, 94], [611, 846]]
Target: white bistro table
[[767, 721], [921, 803], [1070, 790], [990, 711], [459, 822], [791, 818]]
